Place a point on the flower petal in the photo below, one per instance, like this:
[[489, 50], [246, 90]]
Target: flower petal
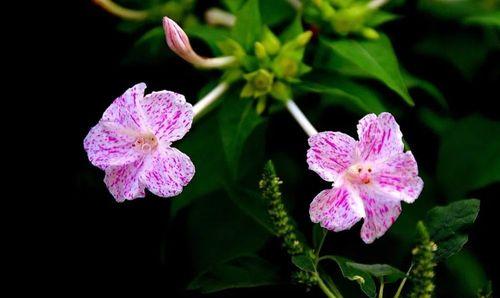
[[168, 115], [330, 153], [123, 181], [398, 178], [107, 147], [167, 172], [125, 111], [337, 209], [379, 137], [381, 212]]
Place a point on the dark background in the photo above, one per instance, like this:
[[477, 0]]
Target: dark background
[[108, 247]]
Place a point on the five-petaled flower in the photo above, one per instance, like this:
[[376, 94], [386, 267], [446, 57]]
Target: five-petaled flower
[[131, 143], [371, 177]]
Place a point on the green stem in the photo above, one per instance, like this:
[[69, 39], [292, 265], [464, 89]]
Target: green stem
[[318, 249], [324, 287], [381, 290], [402, 284]]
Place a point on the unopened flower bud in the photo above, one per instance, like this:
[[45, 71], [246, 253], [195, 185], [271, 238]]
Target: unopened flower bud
[[270, 42], [178, 42]]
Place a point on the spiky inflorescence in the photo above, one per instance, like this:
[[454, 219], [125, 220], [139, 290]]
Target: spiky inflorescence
[[422, 274], [284, 227]]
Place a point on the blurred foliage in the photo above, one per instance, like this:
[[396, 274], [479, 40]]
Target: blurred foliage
[[228, 223]]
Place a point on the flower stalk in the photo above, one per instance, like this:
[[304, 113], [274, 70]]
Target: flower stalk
[[300, 118], [209, 99], [122, 12], [217, 17]]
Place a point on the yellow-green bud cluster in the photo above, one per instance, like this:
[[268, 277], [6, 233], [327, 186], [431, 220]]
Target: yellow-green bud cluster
[[422, 273], [270, 69], [341, 16]]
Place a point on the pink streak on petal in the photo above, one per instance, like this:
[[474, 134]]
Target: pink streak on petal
[[168, 115], [381, 213], [330, 154], [379, 137], [123, 181], [106, 147], [167, 172], [336, 209], [398, 178], [125, 111]]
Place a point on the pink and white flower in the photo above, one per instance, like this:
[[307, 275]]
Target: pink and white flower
[[370, 177], [131, 143]]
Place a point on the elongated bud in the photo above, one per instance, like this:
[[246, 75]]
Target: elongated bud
[[218, 17], [178, 42]]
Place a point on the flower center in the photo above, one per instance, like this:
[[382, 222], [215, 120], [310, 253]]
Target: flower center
[[360, 173], [145, 143]]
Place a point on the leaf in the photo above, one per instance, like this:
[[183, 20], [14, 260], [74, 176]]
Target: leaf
[[380, 17], [248, 26], [204, 140], [467, 272], [217, 231], [275, 11], [317, 234], [149, 49], [363, 278], [304, 262], [237, 120], [415, 82], [376, 59], [389, 273], [475, 143], [233, 5], [242, 272], [210, 35], [336, 90], [252, 204], [293, 30], [445, 225], [486, 19]]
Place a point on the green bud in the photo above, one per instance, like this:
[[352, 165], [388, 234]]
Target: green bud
[[261, 105], [281, 91], [259, 82], [349, 19], [304, 38], [260, 51], [369, 33], [230, 47], [271, 43]]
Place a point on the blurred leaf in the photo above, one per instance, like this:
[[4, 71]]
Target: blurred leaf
[[218, 231], [389, 273], [439, 124], [304, 262], [237, 120], [363, 278], [380, 17], [414, 82], [233, 5], [252, 204], [318, 234], [337, 90], [467, 273], [486, 19], [445, 225], [293, 30], [210, 35], [376, 59], [248, 25], [150, 48], [457, 9], [242, 272], [204, 140], [475, 142], [275, 11]]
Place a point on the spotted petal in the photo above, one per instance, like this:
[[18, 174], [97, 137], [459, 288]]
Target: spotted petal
[[168, 115], [398, 178], [123, 181], [381, 212], [167, 172], [108, 147], [337, 209], [330, 153], [125, 111], [379, 137]]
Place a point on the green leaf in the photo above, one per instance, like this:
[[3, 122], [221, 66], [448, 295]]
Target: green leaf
[[237, 120], [318, 234], [380, 17], [293, 30], [415, 82], [242, 272], [363, 278], [233, 5], [217, 231], [252, 204], [275, 11], [376, 59], [149, 49], [467, 273], [475, 143], [485, 19], [304, 262], [248, 26], [389, 273], [211, 35], [445, 225], [337, 90]]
